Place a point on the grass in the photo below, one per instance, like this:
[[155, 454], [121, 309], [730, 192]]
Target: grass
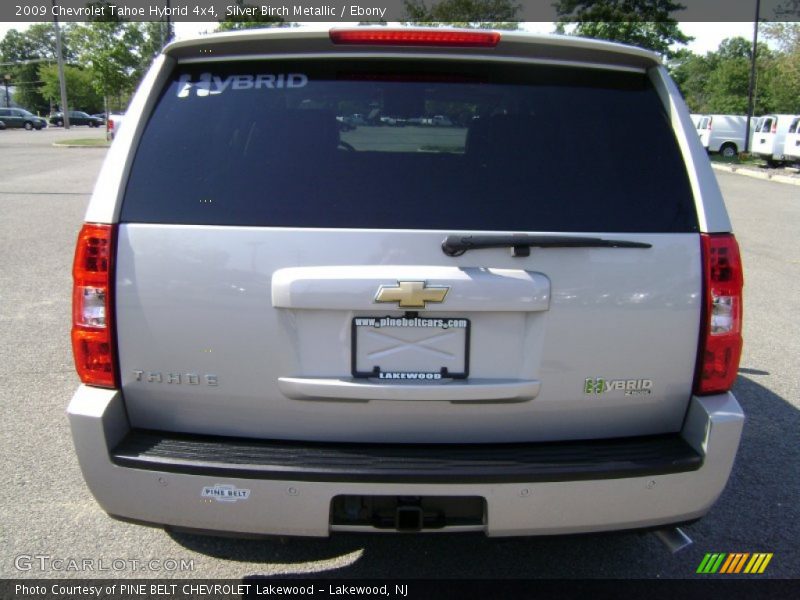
[[743, 159], [87, 142]]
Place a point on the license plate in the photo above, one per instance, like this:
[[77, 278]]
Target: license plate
[[410, 348]]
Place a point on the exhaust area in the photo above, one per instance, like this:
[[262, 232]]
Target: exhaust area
[[673, 538]]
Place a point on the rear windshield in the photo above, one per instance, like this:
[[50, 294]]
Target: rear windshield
[[400, 145]]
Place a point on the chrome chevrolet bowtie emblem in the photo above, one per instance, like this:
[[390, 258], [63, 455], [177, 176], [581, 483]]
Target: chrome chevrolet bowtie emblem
[[411, 294]]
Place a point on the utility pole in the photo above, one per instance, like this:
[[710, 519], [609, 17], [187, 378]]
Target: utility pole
[[7, 78], [61, 79], [751, 87], [169, 25]]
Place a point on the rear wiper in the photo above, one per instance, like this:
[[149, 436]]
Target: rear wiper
[[456, 245]]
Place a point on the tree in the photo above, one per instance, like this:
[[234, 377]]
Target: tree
[[486, 14], [718, 82], [28, 50], [783, 81], [643, 23], [729, 81], [251, 19], [155, 35], [81, 93], [691, 72], [111, 50]]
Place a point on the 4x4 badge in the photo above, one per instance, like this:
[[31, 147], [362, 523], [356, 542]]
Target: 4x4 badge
[[411, 294]]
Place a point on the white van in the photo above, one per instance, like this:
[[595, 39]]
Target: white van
[[723, 133], [770, 136], [791, 147]]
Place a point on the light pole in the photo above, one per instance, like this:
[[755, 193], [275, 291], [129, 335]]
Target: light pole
[[751, 87], [6, 79], [62, 81]]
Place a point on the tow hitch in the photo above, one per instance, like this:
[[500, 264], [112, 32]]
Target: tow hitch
[[409, 518]]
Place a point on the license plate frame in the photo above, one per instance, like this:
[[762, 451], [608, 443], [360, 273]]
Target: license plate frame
[[389, 322]]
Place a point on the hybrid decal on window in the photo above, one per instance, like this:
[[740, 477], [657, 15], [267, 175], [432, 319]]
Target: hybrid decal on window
[[212, 85], [632, 387]]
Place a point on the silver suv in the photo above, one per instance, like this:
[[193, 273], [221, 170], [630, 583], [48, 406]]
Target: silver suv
[[526, 322]]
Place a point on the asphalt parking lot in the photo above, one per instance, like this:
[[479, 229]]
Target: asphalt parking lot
[[46, 510]]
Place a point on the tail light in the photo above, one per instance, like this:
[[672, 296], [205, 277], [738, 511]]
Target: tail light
[[721, 333], [92, 317], [415, 37], [774, 126]]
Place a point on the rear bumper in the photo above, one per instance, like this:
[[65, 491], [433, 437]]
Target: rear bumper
[[537, 490]]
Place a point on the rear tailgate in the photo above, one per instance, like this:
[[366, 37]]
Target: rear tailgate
[[280, 271]]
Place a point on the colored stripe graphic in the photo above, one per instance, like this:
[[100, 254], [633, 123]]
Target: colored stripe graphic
[[729, 564], [758, 563], [734, 563], [711, 563]]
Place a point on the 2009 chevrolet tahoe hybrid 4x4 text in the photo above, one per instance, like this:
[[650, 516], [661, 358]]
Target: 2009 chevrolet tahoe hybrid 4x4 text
[[519, 321]]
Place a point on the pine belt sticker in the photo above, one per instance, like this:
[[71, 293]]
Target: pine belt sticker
[[225, 493]]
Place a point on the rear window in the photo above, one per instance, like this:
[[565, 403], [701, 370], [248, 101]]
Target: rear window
[[766, 125], [400, 145]]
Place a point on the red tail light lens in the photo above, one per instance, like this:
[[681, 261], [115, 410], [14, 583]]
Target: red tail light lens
[[721, 335], [92, 331], [415, 37]]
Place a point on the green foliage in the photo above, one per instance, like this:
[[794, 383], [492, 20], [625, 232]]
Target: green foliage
[[155, 35], [29, 49], [691, 73], [719, 81], [485, 14], [783, 86], [643, 23], [256, 21], [80, 92], [110, 50], [111, 54], [26, 93]]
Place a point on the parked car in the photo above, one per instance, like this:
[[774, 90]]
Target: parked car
[[19, 117], [791, 146], [724, 134], [113, 123], [392, 121], [281, 333], [76, 117], [769, 138]]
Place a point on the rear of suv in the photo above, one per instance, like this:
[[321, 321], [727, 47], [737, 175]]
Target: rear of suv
[[285, 325]]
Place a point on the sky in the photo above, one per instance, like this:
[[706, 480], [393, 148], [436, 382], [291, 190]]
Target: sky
[[707, 35]]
